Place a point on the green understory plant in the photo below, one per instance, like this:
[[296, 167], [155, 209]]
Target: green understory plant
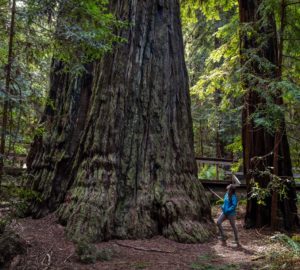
[[286, 257], [88, 253]]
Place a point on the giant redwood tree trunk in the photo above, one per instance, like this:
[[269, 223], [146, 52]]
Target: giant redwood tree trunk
[[134, 172], [259, 144]]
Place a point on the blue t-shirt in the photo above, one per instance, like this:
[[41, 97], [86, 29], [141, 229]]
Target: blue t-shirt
[[229, 206]]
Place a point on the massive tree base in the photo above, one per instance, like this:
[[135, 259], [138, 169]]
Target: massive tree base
[[173, 214], [133, 172]]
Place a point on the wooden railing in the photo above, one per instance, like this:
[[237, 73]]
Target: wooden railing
[[237, 177], [221, 162]]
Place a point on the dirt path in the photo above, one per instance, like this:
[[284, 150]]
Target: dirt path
[[49, 249]]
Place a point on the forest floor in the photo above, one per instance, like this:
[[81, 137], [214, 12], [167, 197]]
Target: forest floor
[[48, 248]]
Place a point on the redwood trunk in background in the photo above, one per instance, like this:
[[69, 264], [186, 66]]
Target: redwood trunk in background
[[50, 159], [259, 145], [134, 174]]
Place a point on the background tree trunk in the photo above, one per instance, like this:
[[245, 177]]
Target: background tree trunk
[[6, 102], [135, 174], [51, 156], [259, 145]]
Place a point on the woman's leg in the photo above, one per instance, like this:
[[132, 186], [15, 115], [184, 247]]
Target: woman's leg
[[221, 218], [233, 225]]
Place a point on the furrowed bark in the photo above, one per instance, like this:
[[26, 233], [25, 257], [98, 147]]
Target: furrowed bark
[[136, 173]]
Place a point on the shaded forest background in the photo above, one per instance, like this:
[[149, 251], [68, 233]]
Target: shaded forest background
[[212, 48]]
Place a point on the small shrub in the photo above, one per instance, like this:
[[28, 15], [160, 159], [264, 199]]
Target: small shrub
[[288, 242], [141, 265], [196, 265], [10, 246], [283, 259], [88, 253], [104, 254], [20, 198], [296, 238]]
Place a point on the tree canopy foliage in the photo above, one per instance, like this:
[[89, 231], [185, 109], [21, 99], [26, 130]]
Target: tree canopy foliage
[[213, 30]]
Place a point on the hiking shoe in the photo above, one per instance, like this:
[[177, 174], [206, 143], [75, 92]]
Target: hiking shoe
[[237, 243], [223, 238]]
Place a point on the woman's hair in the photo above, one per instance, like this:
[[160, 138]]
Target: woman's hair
[[231, 190]]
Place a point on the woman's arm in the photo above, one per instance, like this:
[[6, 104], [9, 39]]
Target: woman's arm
[[233, 205]]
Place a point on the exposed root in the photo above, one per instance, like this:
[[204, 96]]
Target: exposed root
[[144, 249]]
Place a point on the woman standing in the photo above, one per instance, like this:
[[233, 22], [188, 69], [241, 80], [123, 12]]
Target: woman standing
[[228, 212]]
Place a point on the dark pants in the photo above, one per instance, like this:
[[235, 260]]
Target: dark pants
[[231, 219]]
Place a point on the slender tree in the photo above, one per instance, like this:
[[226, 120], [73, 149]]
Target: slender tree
[[7, 86], [133, 173], [266, 154]]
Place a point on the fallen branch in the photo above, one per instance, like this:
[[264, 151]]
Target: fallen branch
[[258, 231], [48, 256], [66, 260], [258, 258], [144, 249]]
